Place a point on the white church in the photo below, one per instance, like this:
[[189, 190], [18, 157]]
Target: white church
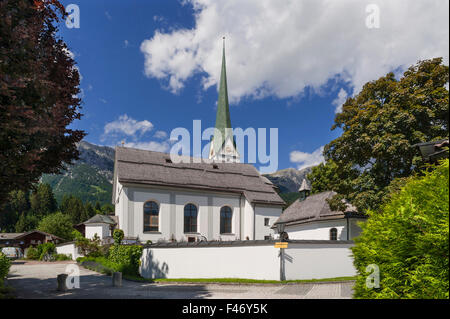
[[215, 199]]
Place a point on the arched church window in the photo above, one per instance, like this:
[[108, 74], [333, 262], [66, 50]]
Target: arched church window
[[190, 218], [226, 216], [333, 234], [151, 216]]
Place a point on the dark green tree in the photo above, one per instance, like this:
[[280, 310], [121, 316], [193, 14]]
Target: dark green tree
[[379, 127], [107, 209], [98, 207], [89, 212], [73, 207], [17, 204], [58, 224], [26, 222], [43, 201], [408, 240]]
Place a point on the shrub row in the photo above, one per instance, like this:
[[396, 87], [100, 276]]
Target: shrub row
[[46, 251], [4, 267], [123, 258]]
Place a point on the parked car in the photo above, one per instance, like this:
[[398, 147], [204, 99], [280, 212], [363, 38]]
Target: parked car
[[12, 252]]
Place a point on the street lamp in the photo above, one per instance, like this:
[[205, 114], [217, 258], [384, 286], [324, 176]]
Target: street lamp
[[280, 227]]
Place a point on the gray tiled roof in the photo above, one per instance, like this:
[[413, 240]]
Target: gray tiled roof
[[313, 208], [103, 219], [154, 168], [10, 235]]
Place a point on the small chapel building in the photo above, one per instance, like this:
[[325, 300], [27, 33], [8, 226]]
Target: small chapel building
[[311, 218], [213, 199]]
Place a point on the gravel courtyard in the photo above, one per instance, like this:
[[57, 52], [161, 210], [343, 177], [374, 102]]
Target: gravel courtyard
[[38, 280]]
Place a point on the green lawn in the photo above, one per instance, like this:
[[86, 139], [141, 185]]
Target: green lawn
[[237, 280]]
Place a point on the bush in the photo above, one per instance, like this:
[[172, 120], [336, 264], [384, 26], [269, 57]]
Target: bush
[[62, 257], [118, 236], [409, 241], [127, 257], [89, 247], [58, 224], [32, 253], [46, 251], [4, 267]]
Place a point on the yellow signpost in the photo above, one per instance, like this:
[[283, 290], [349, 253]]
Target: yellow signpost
[[281, 244]]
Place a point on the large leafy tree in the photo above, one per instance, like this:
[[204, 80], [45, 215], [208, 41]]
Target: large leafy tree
[[58, 224], [408, 240], [38, 94], [379, 127]]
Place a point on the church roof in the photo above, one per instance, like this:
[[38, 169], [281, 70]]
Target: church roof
[[223, 121], [313, 208], [154, 168]]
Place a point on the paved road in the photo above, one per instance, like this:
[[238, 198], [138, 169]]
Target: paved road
[[38, 280]]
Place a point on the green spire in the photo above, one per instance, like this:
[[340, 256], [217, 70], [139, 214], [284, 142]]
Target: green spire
[[223, 121]]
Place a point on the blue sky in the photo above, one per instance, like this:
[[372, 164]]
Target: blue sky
[[150, 66]]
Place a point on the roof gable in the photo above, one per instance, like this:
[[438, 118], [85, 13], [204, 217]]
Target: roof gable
[[314, 207]]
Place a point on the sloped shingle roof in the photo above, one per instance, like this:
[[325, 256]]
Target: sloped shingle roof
[[313, 208], [100, 219], [9, 236], [155, 168]]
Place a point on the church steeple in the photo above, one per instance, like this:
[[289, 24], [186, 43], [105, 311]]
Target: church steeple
[[223, 145]]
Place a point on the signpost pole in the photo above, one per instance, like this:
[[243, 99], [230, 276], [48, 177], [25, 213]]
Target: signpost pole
[[280, 229], [282, 276]]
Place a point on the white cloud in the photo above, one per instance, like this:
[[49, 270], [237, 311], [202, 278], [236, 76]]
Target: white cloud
[[160, 134], [126, 44], [340, 100], [108, 16], [279, 47], [304, 159], [128, 126], [133, 134]]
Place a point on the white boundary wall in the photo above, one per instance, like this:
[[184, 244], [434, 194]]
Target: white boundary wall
[[303, 260], [317, 261], [68, 248]]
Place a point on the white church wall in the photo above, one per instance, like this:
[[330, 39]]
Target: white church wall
[[140, 196], [218, 203], [319, 230], [249, 221], [202, 215], [261, 213], [118, 203], [171, 202], [308, 260]]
